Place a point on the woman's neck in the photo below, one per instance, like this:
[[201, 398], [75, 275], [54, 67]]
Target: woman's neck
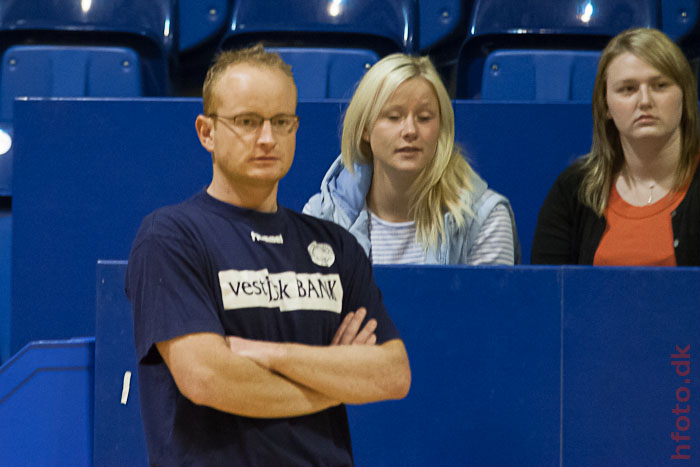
[[652, 161], [649, 170], [388, 197]]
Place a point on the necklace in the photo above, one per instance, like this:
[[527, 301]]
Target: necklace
[[634, 183], [651, 193]]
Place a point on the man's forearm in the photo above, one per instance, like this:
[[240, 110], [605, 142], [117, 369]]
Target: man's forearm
[[353, 374], [207, 373], [263, 394]]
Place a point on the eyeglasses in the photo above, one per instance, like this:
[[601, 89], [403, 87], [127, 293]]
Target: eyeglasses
[[281, 124]]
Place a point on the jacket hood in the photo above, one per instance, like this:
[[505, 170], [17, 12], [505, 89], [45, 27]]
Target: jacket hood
[[348, 191]]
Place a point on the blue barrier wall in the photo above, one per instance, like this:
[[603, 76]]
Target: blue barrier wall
[[520, 149], [88, 170], [621, 328], [485, 390], [5, 276], [539, 366], [118, 432], [46, 404]]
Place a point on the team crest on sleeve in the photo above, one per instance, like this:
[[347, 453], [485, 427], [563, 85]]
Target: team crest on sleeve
[[321, 254]]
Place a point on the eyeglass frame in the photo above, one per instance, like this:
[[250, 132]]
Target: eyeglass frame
[[262, 120]]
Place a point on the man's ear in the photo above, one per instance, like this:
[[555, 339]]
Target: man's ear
[[205, 131]]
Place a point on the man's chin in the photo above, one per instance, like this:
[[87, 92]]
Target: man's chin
[[268, 176]]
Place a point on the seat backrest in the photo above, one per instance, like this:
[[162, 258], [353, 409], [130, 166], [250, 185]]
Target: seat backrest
[[200, 21], [145, 27], [563, 17], [539, 75], [67, 71], [149, 20], [322, 73], [567, 25], [679, 18], [384, 26], [438, 19]]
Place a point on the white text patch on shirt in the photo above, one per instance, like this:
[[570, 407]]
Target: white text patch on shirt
[[287, 291]]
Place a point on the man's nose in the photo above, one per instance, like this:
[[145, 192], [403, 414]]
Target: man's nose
[[265, 134]]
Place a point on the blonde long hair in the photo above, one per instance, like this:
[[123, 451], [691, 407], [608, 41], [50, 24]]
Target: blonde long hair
[[445, 184], [606, 158]]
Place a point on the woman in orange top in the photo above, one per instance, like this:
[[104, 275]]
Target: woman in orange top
[[635, 198]]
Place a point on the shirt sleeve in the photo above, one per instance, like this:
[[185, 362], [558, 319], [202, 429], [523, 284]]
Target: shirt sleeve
[[494, 243], [553, 240], [170, 292]]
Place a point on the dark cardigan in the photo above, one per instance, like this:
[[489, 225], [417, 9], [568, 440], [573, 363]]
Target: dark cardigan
[[568, 232]]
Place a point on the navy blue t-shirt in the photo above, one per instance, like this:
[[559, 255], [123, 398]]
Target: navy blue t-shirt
[[208, 266]]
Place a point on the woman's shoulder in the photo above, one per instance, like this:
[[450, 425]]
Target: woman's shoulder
[[488, 200], [572, 176], [480, 195]]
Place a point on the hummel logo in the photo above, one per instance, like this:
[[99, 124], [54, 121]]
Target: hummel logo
[[256, 237]]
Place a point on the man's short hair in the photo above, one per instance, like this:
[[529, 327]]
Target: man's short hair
[[255, 55]]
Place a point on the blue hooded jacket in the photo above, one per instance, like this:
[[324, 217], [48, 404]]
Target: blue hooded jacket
[[343, 200]]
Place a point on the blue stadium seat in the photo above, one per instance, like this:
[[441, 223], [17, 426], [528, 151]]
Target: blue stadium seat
[[681, 22], [323, 73], [329, 35], [142, 26], [201, 21], [576, 26], [539, 75], [679, 18], [443, 25], [67, 71], [439, 19]]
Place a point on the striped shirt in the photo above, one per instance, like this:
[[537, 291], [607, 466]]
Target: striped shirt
[[494, 244], [395, 242]]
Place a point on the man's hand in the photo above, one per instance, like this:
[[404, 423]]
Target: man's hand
[[349, 332], [353, 369]]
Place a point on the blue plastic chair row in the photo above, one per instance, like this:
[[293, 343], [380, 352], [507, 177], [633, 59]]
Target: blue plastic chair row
[[547, 50], [159, 29], [508, 50]]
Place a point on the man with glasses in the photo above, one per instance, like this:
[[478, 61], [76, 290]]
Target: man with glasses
[[254, 324]]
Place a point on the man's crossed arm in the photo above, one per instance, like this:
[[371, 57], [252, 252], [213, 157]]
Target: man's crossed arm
[[268, 379]]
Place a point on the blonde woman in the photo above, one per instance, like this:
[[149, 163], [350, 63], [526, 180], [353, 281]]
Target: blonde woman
[[401, 186], [635, 198]]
